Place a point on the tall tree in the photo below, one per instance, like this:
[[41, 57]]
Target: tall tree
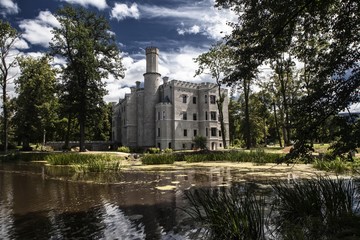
[[84, 39], [266, 29], [216, 63], [36, 102], [8, 38]]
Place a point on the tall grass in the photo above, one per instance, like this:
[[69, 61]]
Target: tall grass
[[150, 159], [338, 165], [321, 208], [25, 156], [316, 209], [257, 157], [227, 213], [85, 162]]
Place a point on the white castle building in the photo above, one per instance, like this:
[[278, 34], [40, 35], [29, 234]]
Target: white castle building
[[168, 114]]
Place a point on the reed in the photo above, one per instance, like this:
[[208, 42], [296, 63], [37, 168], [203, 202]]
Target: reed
[[151, 159], [227, 213]]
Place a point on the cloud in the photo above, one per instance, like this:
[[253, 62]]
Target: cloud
[[38, 31], [8, 7], [212, 22], [175, 64], [121, 11], [99, 4], [192, 30]]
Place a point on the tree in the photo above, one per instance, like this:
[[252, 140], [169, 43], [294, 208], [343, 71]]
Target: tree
[[8, 38], [36, 104], [266, 29], [215, 62], [84, 39]]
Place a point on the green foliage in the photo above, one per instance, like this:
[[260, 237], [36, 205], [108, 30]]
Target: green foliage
[[36, 104], [168, 150], [153, 150], [85, 41], [151, 159], [200, 142], [227, 213], [85, 162], [336, 165], [257, 157], [26, 157], [8, 38], [124, 149]]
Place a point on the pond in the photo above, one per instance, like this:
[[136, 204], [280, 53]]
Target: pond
[[44, 202]]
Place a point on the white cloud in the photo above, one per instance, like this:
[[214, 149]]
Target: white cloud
[[38, 31], [21, 44], [121, 11], [177, 65], [9, 6], [212, 22], [192, 30], [100, 4]]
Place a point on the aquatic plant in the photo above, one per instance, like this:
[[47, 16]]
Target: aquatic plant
[[227, 213], [321, 208], [86, 162], [150, 159], [337, 165]]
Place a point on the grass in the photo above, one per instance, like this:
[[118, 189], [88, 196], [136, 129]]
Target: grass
[[321, 208], [24, 156], [338, 165], [227, 213], [85, 162]]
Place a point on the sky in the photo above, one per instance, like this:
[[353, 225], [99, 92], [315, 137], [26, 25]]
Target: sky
[[181, 29]]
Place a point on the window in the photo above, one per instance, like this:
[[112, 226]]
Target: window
[[213, 132], [213, 115], [184, 145], [212, 99], [158, 132], [185, 132], [164, 114], [219, 133], [195, 132], [206, 115], [194, 116], [159, 145], [170, 145], [194, 100], [158, 115], [184, 115], [206, 99], [207, 132], [184, 98]]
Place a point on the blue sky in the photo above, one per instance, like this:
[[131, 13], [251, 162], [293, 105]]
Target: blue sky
[[181, 29]]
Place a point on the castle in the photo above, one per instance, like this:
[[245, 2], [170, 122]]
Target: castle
[[170, 114]]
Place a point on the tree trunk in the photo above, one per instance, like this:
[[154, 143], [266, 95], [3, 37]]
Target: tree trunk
[[277, 126], [221, 116], [5, 113], [82, 132], [247, 115], [68, 130]]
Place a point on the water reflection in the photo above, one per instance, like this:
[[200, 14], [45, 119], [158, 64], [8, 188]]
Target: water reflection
[[42, 202]]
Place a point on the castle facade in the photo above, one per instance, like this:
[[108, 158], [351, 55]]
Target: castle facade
[[168, 114]]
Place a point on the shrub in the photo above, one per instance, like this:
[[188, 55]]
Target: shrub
[[124, 149], [168, 150], [153, 150], [150, 159], [200, 142], [338, 165]]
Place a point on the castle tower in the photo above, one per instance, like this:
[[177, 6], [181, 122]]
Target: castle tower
[[151, 98]]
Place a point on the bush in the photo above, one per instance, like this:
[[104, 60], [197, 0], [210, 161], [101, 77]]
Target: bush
[[153, 150], [168, 150], [200, 142], [150, 159], [338, 165], [124, 149]]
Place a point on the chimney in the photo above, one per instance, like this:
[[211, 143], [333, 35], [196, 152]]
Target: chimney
[[137, 84]]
